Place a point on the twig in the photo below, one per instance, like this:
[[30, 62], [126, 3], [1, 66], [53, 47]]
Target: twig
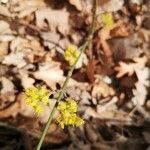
[[66, 81], [90, 45]]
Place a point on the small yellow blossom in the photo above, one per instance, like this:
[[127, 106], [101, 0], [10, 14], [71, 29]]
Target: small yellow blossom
[[71, 54], [37, 98], [107, 19], [68, 115]]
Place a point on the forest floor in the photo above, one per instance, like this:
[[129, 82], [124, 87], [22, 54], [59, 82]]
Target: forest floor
[[111, 82]]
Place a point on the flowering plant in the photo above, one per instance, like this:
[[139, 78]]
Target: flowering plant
[[37, 97]]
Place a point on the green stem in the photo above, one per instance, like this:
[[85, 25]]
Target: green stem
[[82, 49], [59, 98]]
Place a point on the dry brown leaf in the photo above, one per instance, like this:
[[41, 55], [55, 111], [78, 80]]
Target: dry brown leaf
[[16, 59], [5, 11], [143, 75], [55, 18], [76, 3], [5, 27], [7, 85], [90, 69], [128, 47], [50, 73], [110, 6], [3, 49], [102, 89], [7, 93], [140, 92], [110, 114], [5, 32], [4, 1], [10, 111], [50, 39], [22, 8], [119, 31], [26, 81], [6, 99], [130, 68], [111, 105]]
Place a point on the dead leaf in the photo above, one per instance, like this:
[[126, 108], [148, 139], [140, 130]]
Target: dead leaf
[[3, 49], [55, 18], [26, 81], [5, 27], [110, 6], [102, 89], [7, 85], [23, 8], [77, 4], [90, 69], [130, 68], [91, 134], [111, 105], [50, 39], [4, 1], [16, 59], [10, 111], [110, 114], [119, 31], [143, 75], [50, 73], [6, 99], [140, 94]]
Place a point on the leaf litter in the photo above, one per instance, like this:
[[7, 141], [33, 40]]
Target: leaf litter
[[32, 53]]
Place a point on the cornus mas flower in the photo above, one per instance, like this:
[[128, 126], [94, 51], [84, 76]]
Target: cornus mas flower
[[67, 116], [71, 54], [107, 19], [37, 98]]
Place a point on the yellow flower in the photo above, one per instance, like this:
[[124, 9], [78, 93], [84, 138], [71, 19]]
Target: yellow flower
[[70, 105], [68, 115], [107, 19], [37, 98], [71, 54]]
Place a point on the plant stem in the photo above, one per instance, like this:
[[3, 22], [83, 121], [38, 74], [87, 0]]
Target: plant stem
[[59, 98], [82, 49]]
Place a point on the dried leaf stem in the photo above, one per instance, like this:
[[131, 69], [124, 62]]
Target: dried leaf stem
[[92, 31], [82, 49]]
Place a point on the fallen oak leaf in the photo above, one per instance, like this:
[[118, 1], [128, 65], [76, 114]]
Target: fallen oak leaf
[[129, 68], [123, 69], [55, 18]]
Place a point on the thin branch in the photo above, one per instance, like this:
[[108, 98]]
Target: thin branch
[[82, 49], [92, 31]]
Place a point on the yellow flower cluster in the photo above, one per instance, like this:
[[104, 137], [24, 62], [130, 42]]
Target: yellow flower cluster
[[68, 115], [71, 54], [37, 98], [107, 19]]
